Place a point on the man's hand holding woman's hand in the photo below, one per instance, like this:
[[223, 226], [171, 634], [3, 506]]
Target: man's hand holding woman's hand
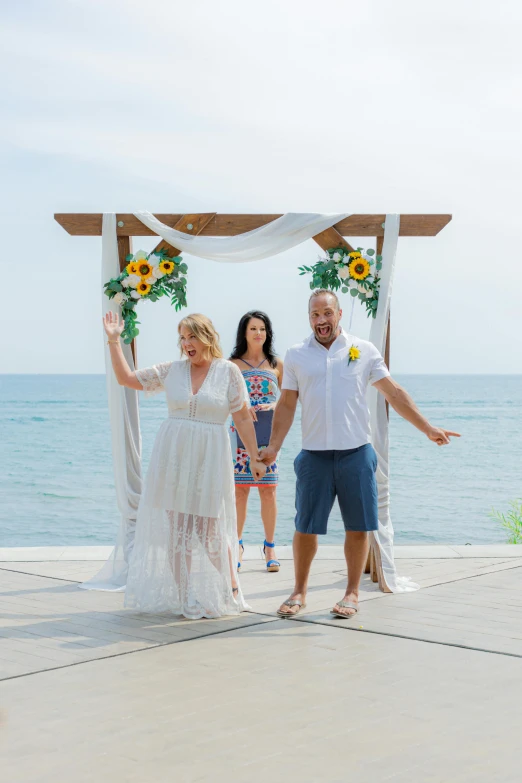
[[268, 455]]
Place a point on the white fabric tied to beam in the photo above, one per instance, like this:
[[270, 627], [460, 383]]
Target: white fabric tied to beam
[[126, 436], [383, 537], [275, 237]]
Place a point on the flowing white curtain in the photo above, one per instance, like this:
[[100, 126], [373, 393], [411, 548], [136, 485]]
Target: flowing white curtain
[[275, 237], [379, 418], [125, 435]]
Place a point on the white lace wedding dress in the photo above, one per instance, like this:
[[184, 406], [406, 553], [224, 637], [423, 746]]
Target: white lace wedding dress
[[186, 537]]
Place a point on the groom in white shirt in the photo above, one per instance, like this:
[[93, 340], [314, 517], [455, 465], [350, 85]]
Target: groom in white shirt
[[330, 372]]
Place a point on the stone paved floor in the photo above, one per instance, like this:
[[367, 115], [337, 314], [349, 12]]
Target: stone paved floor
[[423, 686]]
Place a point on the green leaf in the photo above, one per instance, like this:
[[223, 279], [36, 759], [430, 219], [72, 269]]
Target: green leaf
[[116, 287], [353, 292], [129, 257], [378, 266], [344, 289], [370, 252], [183, 268], [379, 258]]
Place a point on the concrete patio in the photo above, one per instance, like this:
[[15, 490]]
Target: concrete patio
[[423, 686]]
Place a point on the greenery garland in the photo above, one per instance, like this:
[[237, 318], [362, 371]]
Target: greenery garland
[[147, 276], [355, 271]]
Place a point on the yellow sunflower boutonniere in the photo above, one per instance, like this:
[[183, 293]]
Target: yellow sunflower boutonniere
[[353, 354]]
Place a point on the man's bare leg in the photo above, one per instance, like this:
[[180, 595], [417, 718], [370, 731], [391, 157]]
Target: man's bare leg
[[356, 553], [305, 548]]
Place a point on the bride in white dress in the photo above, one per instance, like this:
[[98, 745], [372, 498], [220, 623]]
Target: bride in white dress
[[186, 539]]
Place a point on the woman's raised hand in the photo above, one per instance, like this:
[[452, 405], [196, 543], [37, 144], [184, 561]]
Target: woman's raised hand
[[113, 325]]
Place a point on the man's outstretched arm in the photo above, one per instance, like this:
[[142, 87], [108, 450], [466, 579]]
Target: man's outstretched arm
[[283, 418], [401, 402]]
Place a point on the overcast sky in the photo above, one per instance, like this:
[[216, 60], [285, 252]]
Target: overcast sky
[[331, 106]]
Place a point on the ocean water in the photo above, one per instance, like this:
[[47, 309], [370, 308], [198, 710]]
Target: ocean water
[[56, 485]]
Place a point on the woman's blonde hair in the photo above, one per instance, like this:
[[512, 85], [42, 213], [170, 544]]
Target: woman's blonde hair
[[203, 328]]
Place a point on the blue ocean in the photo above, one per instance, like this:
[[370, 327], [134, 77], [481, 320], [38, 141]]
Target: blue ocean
[[56, 480]]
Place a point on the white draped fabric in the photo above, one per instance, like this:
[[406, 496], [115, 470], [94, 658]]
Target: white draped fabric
[[281, 234], [275, 237], [379, 417], [126, 437]]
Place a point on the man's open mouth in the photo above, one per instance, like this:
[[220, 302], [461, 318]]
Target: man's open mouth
[[323, 331]]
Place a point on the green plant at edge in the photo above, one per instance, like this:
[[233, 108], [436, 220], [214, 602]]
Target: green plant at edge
[[511, 521]]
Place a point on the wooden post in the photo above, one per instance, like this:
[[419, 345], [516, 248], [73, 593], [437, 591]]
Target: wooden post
[[124, 248]]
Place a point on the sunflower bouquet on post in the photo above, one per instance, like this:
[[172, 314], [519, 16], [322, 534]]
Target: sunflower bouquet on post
[[355, 271], [147, 276]]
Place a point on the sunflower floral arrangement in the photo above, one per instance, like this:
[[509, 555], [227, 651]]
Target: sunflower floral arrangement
[[355, 271], [147, 276]]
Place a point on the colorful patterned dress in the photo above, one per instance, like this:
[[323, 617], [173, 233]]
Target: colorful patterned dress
[[262, 387]]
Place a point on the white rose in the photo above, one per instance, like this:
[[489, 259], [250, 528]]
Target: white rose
[[336, 256], [135, 295], [141, 255], [124, 282], [369, 294], [344, 272], [133, 280], [150, 280], [361, 289], [353, 283], [157, 273], [119, 298]]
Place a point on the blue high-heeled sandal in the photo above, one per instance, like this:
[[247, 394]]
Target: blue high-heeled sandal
[[272, 565], [242, 551]]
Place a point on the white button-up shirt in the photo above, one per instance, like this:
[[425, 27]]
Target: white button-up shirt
[[332, 392]]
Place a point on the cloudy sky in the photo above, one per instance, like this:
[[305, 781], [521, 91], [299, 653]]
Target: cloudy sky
[[332, 106]]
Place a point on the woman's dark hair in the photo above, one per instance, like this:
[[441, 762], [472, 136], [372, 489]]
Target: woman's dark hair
[[241, 341]]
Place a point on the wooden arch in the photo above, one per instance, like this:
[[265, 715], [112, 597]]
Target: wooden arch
[[212, 224]]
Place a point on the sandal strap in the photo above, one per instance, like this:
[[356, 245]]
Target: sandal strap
[[291, 602], [270, 546], [273, 562], [348, 605]]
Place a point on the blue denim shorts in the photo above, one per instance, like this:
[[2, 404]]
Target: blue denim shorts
[[348, 476]]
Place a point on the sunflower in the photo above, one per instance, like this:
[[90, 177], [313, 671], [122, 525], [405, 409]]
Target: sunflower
[[166, 266], [143, 288], [144, 269], [132, 268], [354, 254], [359, 268]]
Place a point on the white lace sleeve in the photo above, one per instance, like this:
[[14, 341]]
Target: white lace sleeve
[[237, 390], [153, 378]]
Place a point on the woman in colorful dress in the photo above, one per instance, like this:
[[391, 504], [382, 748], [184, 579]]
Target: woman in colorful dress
[[263, 374], [186, 548]]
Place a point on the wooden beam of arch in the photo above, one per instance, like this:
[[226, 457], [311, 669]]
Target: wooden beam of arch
[[189, 224], [81, 224], [332, 238]]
